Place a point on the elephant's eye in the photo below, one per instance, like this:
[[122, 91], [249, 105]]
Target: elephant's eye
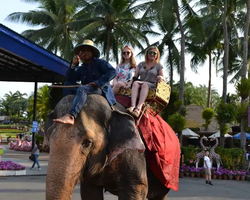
[[87, 143]]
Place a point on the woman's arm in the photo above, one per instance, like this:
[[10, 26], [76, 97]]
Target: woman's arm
[[160, 76], [132, 79]]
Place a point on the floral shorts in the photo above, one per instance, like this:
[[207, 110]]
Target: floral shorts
[[208, 171]]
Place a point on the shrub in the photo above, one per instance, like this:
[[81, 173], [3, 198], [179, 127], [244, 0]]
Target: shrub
[[207, 115], [40, 138]]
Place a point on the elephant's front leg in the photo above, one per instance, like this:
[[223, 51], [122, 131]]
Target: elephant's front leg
[[136, 193], [91, 192]]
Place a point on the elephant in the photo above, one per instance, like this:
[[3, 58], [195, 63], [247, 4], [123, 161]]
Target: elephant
[[102, 151]]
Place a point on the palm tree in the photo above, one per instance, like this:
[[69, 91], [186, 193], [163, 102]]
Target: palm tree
[[43, 104], [244, 72], [206, 44], [53, 16], [184, 16], [112, 24]]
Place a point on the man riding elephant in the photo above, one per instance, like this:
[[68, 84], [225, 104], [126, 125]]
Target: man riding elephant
[[94, 74]]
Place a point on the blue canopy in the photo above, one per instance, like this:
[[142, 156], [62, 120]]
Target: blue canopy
[[238, 136], [24, 61]]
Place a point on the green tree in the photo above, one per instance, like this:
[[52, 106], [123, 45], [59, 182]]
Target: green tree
[[178, 123], [43, 104], [114, 21], [244, 74], [225, 113], [53, 16], [207, 114]]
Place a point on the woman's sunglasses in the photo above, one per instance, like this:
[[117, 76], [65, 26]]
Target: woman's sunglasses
[[126, 52], [152, 53]]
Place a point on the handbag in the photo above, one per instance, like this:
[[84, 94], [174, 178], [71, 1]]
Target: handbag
[[32, 157]]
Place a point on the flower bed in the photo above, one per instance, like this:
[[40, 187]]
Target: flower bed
[[9, 168], [222, 173]]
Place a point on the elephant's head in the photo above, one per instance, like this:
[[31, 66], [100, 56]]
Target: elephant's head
[[83, 149]]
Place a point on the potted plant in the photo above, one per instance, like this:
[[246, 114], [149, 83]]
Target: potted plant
[[243, 175], [192, 171], [225, 174], [230, 174], [217, 174], [237, 175], [182, 171], [198, 174], [187, 170], [202, 172]]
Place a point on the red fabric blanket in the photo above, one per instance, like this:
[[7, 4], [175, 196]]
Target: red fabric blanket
[[163, 147]]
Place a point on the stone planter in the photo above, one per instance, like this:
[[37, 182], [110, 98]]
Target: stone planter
[[198, 174], [12, 172], [220, 177], [192, 174], [230, 177], [242, 178], [182, 174], [187, 174], [214, 176]]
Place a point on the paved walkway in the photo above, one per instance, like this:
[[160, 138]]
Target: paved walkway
[[22, 158]]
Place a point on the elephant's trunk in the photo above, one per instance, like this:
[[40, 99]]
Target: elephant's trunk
[[64, 169]]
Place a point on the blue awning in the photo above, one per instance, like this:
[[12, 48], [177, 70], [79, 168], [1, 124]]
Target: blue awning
[[23, 60]]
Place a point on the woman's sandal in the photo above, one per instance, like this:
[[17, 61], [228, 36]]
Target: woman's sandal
[[136, 113], [130, 109]]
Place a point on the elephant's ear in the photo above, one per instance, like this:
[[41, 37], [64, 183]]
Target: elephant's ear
[[123, 134], [48, 126]]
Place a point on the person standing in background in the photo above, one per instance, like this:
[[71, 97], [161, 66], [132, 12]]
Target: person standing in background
[[207, 167]]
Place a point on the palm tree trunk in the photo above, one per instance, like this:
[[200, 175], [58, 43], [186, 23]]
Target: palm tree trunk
[[209, 81], [171, 68], [226, 53], [225, 67], [108, 43], [244, 73], [182, 68]]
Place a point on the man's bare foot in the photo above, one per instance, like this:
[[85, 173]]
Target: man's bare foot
[[66, 119]]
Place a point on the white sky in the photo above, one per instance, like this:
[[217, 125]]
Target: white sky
[[10, 6]]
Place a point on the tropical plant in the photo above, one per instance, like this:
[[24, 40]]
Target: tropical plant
[[53, 17], [207, 114], [225, 113], [177, 123], [114, 21], [43, 104]]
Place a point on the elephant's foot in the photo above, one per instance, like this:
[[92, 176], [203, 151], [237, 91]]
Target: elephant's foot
[[66, 119]]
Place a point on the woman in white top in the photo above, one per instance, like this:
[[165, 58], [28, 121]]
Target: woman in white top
[[125, 70], [150, 72]]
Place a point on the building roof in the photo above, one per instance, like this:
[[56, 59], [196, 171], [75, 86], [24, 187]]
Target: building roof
[[24, 61], [194, 120]]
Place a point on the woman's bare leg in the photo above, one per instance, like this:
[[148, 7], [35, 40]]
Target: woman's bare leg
[[117, 87], [134, 93], [143, 95]]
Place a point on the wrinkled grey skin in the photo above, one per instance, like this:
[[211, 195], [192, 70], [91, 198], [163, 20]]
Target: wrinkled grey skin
[[101, 151]]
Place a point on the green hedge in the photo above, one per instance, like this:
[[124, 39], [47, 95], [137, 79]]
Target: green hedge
[[7, 131]]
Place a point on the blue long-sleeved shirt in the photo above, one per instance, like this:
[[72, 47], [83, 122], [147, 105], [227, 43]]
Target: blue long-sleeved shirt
[[98, 71]]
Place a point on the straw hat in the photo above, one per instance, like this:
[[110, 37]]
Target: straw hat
[[88, 43]]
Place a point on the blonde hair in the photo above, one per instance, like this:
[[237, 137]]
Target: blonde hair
[[158, 54], [132, 59]]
